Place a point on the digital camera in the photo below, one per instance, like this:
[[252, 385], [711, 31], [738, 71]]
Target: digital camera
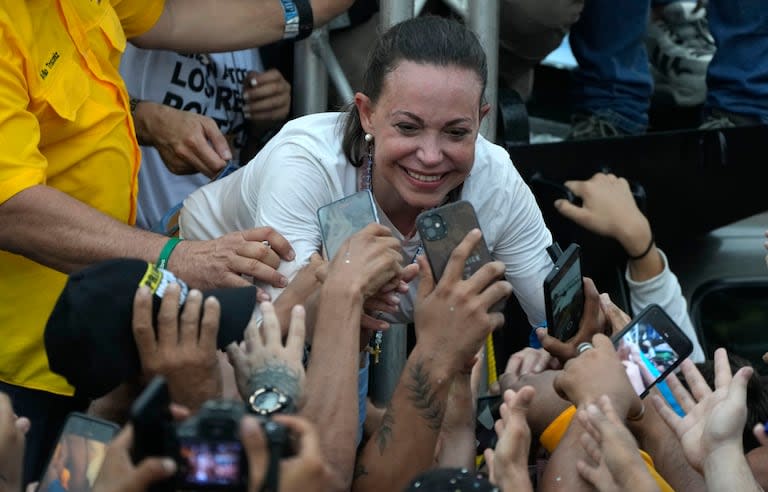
[[206, 447]]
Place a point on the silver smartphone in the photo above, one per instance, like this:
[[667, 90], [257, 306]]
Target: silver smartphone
[[342, 218]]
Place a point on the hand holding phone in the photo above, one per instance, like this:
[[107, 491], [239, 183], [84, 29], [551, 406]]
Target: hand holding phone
[[342, 218], [564, 294], [651, 347], [442, 229], [78, 454]]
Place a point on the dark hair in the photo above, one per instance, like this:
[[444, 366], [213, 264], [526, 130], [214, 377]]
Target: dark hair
[[426, 40], [757, 396]]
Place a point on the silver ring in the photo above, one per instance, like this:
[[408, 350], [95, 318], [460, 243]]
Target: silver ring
[[266, 243], [379, 314], [584, 346]]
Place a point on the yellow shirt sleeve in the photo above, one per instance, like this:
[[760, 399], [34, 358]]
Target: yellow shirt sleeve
[[552, 435], [21, 163], [138, 16]]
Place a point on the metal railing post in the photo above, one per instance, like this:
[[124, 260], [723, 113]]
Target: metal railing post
[[394, 11], [311, 82], [483, 19], [394, 346]]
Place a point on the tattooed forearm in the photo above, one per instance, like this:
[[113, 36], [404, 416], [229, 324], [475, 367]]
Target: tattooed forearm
[[278, 375], [424, 398], [385, 430]]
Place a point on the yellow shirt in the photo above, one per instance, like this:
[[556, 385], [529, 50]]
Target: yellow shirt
[[64, 122], [551, 436]]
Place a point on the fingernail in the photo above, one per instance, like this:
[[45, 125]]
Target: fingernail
[[194, 294], [558, 203], [591, 408], [291, 255], [383, 325], [169, 465], [393, 299], [227, 154], [254, 82], [264, 297], [283, 281]]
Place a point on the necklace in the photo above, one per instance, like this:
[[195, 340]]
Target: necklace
[[366, 183]]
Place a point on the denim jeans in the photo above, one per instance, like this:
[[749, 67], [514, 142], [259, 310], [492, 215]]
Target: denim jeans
[[738, 74], [613, 79]]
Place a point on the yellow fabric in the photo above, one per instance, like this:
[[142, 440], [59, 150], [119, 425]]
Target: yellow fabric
[[64, 122], [551, 436]]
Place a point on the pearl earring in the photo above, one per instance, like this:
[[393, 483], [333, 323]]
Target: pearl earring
[[368, 137]]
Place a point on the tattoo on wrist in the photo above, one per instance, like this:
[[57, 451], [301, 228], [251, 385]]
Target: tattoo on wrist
[[385, 430], [424, 398], [275, 374]]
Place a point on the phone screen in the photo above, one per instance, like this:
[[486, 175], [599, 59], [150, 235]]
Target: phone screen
[[210, 463], [564, 295], [78, 455], [487, 415], [650, 347], [343, 218]]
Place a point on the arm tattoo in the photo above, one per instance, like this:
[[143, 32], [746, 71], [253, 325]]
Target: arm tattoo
[[424, 398], [385, 430], [359, 471], [278, 375]]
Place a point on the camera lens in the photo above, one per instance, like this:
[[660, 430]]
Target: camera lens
[[428, 221], [431, 233]]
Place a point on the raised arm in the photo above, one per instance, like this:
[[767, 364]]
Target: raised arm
[[227, 25], [452, 322]]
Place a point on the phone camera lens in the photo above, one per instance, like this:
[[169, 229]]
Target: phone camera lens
[[428, 221], [431, 233]]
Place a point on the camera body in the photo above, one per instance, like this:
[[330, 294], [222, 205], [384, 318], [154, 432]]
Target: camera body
[[209, 453], [206, 447]]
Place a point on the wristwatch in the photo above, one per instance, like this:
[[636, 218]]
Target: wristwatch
[[268, 400]]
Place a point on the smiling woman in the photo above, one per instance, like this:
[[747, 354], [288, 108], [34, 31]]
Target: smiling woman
[[412, 136]]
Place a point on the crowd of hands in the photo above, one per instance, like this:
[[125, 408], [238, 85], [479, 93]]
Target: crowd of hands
[[430, 420]]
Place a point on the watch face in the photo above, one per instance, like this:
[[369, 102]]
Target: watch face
[[268, 401]]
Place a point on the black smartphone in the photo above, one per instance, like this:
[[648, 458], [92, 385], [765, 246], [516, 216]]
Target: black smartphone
[[442, 229], [343, 218], [651, 346], [564, 294], [487, 415], [79, 452]]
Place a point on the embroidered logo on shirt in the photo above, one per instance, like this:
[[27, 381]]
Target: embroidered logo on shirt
[[49, 64]]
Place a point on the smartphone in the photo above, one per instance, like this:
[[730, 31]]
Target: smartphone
[[79, 452], [442, 229], [487, 415], [342, 218], [654, 345], [564, 294]]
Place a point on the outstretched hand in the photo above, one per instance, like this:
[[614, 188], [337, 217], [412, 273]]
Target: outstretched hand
[[616, 461], [508, 462], [714, 419]]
